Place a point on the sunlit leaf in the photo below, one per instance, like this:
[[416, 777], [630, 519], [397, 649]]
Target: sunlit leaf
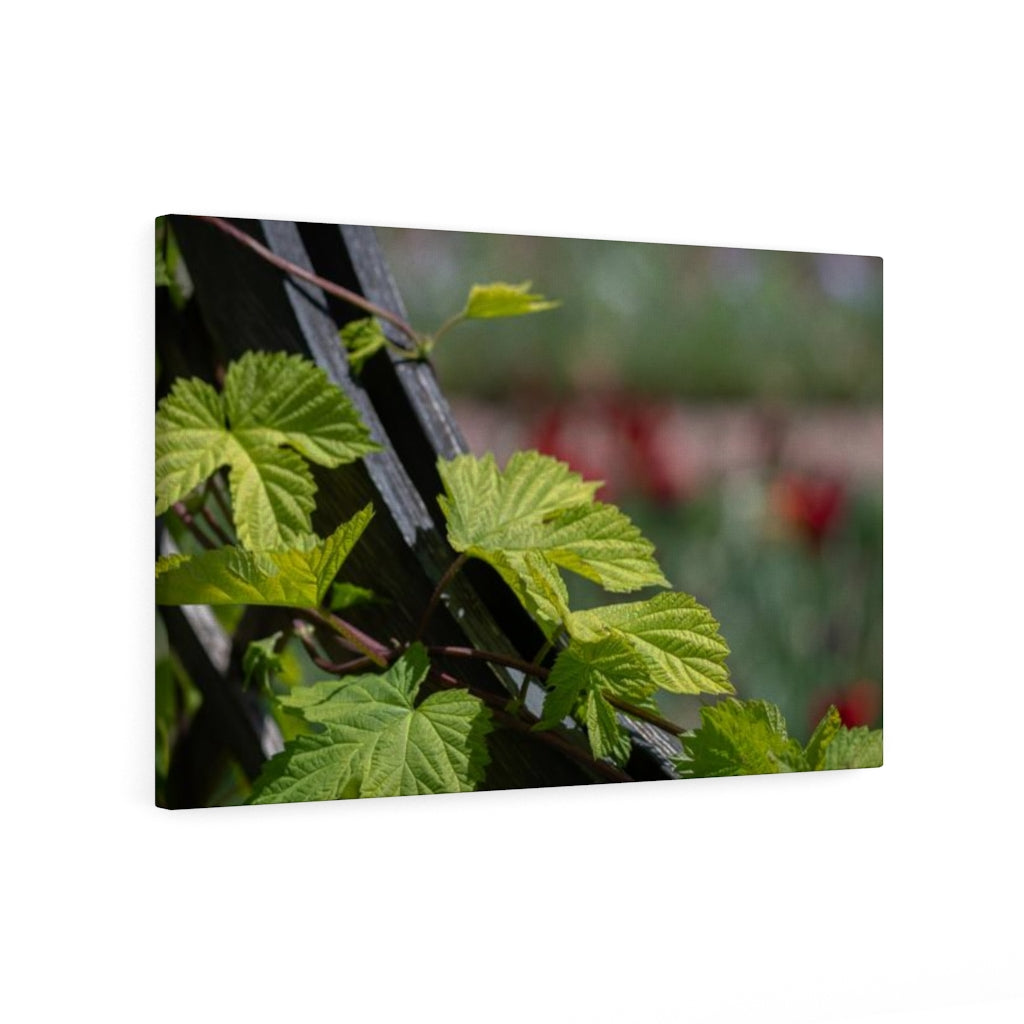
[[487, 301], [277, 411], [676, 640]]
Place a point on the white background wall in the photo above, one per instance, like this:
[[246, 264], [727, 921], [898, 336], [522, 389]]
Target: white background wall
[[890, 895]]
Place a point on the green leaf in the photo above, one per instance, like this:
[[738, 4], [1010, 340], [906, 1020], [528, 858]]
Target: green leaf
[[607, 738], [537, 584], [536, 516], [580, 673], [348, 595], [855, 748], [675, 639], [595, 541], [483, 505], [824, 733], [376, 743], [487, 301], [609, 664], [296, 577], [362, 339], [270, 400], [740, 738], [260, 662]]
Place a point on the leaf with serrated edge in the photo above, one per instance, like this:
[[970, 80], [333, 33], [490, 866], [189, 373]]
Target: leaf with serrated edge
[[595, 541], [824, 733], [537, 584], [191, 441], [860, 747], [537, 515], [609, 664], [376, 743], [269, 400], [607, 737], [487, 301], [296, 577], [362, 339], [740, 738], [675, 637], [482, 504], [580, 673]]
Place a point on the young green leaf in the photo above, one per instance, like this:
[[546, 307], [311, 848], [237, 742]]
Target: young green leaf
[[740, 738], [675, 640], [362, 339], [376, 743], [260, 662], [487, 301], [297, 577], [348, 595], [270, 400], [855, 748]]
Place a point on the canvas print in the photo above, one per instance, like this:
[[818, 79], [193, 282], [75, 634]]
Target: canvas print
[[442, 512]]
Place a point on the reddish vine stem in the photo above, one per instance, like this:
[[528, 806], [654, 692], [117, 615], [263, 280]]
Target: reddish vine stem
[[551, 739], [540, 672], [492, 656], [523, 722], [318, 659], [192, 526], [330, 287], [352, 637], [642, 713], [442, 584]]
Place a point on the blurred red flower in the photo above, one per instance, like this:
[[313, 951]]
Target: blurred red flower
[[812, 506], [859, 703]]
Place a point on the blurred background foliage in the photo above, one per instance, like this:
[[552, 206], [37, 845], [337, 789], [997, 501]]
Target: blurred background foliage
[[731, 400]]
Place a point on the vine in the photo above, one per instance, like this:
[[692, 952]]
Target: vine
[[368, 730]]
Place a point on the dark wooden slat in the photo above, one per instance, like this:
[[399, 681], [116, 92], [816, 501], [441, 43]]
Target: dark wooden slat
[[248, 304]]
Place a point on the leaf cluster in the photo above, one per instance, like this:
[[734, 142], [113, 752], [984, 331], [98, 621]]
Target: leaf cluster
[[750, 738], [364, 338], [372, 734], [536, 518]]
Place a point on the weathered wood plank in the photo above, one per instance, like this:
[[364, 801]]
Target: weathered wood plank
[[246, 303]]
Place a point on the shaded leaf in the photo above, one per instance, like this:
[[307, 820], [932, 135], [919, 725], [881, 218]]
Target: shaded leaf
[[261, 661], [296, 577], [348, 595], [855, 748], [362, 339], [740, 738], [376, 743], [824, 733], [580, 673]]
